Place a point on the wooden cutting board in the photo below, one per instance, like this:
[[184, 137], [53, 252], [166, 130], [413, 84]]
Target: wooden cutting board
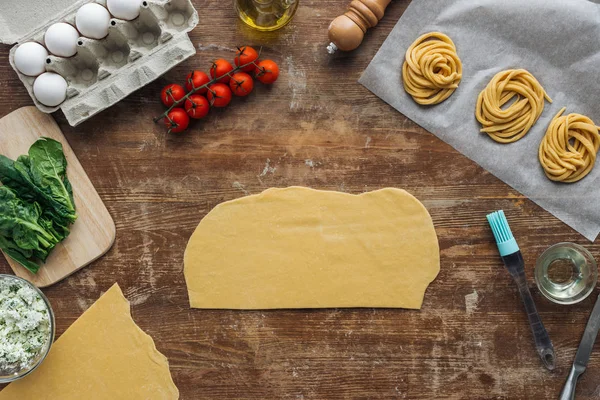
[[93, 233]]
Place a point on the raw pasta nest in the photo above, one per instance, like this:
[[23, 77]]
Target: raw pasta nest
[[432, 69], [568, 151], [507, 125]]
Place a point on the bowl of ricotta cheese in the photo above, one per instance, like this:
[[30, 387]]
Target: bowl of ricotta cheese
[[26, 328]]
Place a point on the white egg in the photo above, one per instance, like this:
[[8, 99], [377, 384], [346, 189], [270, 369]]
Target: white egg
[[61, 39], [124, 9], [30, 58], [92, 21], [50, 89]]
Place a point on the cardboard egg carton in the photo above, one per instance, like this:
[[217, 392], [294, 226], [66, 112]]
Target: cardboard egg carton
[[103, 71]]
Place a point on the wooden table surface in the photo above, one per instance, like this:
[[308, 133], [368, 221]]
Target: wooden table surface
[[315, 127]]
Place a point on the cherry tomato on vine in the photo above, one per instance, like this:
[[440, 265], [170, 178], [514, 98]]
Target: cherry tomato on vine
[[196, 79], [177, 120], [197, 106], [171, 94], [219, 95], [241, 84], [219, 68], [245, 55], [267, 71]]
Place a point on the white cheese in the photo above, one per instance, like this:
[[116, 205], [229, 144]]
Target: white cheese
[[24, 325]]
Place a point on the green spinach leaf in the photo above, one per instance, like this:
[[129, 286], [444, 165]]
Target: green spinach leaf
[[18, 175], [36, 203], [17, 254], [48, 169], [19, 220]]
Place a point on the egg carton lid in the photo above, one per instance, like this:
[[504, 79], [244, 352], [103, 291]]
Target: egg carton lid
[[21, 20]]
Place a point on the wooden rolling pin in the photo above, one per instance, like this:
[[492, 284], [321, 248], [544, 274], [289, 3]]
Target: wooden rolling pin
[[347, 31]]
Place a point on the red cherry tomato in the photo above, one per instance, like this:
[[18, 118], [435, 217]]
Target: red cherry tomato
[[267, 71], [219, 95], [196, 79], [177, 120], [171, 94], [219, 68], [245, 55], [197, 106], [241, 84]]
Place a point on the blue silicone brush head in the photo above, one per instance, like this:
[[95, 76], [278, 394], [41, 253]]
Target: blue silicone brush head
[[502, 233]]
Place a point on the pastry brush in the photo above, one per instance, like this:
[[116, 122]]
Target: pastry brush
[[513, 261]]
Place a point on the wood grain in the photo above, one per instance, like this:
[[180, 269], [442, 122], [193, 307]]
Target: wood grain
[[94, 231], [315, 127]]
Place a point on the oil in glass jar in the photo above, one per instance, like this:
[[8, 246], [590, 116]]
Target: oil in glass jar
[[266, 15]]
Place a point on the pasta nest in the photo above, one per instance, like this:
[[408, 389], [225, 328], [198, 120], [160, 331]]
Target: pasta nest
[[511, 123], [568, 151], [432, 69]]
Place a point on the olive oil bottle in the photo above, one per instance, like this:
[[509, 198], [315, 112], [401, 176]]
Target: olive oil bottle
[[266, 15]]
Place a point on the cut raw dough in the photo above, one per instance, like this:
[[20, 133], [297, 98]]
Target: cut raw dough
[[304, 248], [103, 355]]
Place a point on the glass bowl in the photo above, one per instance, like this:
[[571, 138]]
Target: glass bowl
[[14, 374], [566, 273]]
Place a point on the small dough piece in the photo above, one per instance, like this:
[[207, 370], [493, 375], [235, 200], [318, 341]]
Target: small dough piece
[[305, 248], [507, 125], [568, 151], [103, 355], [432, 70]]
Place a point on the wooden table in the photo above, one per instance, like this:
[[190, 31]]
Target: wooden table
[[315, 127]]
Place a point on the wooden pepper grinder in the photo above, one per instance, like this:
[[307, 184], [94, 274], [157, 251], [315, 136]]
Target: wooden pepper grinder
[[347, 31]]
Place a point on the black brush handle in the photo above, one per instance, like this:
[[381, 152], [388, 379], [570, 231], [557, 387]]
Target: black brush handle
[[543, 344]]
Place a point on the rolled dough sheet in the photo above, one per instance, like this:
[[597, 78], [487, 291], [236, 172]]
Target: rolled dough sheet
[[305, 248], [103, 355]]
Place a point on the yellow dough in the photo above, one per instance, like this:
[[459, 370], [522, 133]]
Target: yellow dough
[[568, 151], [103, 355], [432, 69], [511, 123], [305, 248]]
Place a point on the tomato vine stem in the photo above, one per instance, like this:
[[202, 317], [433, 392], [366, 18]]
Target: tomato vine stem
[[206, 85]]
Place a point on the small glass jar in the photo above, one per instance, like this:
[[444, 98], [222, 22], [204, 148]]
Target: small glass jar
[[566, 273], [266, 15], [18, 373]]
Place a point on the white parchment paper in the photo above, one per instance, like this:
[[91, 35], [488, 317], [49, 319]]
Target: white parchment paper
[[557, 41]]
